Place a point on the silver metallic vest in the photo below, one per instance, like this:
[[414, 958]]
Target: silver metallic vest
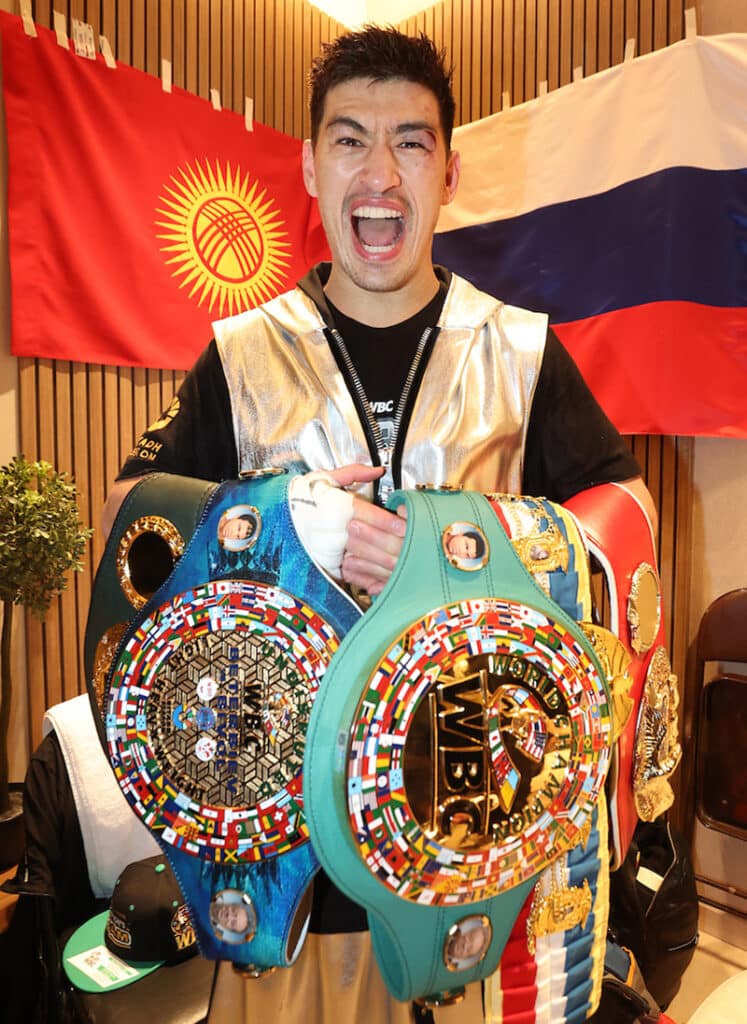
[[291, 405]]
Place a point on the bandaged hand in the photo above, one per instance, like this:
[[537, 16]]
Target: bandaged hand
[[345, 534]]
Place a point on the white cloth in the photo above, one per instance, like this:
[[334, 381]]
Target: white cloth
[[725, 1005], [321, 511], [113, 836]]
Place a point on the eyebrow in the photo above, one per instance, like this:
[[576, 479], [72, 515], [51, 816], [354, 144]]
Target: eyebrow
[[400, 129]]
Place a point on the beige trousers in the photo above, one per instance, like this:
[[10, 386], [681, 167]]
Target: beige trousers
[[334, 981]]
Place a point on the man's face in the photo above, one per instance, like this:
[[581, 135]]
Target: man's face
[[381, 173], [235, 529], [465, 945], [238, 529], [232, 916], [461, 546]]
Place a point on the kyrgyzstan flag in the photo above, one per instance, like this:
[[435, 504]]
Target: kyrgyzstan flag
[[137, 216], [618, 205]]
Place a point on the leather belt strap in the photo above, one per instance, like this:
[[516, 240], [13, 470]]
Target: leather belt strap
[[452, 612], [560, 977], [620, 537]]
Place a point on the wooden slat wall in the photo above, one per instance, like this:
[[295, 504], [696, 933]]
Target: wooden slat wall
[[85, 418]]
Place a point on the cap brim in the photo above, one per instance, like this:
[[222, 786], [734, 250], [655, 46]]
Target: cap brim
[[92, 967]]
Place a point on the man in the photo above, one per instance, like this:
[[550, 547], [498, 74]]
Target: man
[[236, 531], [388, 372], [463, 544], [232, 917]]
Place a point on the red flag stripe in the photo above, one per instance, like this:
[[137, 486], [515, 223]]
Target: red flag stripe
[[675, 367]]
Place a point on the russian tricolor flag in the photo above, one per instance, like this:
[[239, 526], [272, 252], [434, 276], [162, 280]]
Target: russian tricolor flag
[[618, 205]]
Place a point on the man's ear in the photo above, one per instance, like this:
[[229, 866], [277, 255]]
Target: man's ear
[[307, 164], [451, 180]]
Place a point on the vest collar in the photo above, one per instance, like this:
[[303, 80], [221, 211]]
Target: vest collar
[[464, 307]]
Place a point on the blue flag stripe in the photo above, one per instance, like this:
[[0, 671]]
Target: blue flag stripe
[[676, 235]]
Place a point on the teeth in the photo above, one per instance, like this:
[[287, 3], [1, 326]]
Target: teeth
[[376, 213]]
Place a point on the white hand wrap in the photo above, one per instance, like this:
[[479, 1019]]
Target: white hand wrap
[[321, 511]]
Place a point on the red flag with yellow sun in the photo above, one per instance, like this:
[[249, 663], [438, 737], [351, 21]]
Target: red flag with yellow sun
[[137, 216]]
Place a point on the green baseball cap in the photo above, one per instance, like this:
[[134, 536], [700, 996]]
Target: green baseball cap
[[146, 926]]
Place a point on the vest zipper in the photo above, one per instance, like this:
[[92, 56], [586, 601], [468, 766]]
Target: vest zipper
[[407, 399], [380, 453]]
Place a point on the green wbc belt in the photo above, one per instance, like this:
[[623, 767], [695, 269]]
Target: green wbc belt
[[457, 747]]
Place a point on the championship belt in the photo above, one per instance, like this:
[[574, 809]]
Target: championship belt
[[206, 705], [647, 751], [156, 519], [552, 966], [459, 746]]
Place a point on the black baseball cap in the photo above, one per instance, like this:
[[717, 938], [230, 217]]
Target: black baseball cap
[[147, 925]]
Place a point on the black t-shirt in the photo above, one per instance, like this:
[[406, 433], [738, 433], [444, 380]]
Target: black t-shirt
[[382, 356], [194, 437], [571, 444]]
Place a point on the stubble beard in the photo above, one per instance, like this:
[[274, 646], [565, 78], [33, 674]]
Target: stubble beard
[[379, 278]]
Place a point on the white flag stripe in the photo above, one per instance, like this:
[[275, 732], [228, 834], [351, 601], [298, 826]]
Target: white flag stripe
[[685, 105]]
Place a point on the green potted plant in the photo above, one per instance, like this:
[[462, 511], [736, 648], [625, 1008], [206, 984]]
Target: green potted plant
[[41, 539]]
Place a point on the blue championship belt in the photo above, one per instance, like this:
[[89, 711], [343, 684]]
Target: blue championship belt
[[205, 709], [458, 748]]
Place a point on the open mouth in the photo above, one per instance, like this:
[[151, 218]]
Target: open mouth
[[378, 229]]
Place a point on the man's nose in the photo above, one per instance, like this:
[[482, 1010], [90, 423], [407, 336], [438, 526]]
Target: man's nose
[[380, 170]]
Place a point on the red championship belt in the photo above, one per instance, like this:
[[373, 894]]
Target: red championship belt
[[620, 537]]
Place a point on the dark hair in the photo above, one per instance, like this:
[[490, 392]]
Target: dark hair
[[381, 54], [479, 542]]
